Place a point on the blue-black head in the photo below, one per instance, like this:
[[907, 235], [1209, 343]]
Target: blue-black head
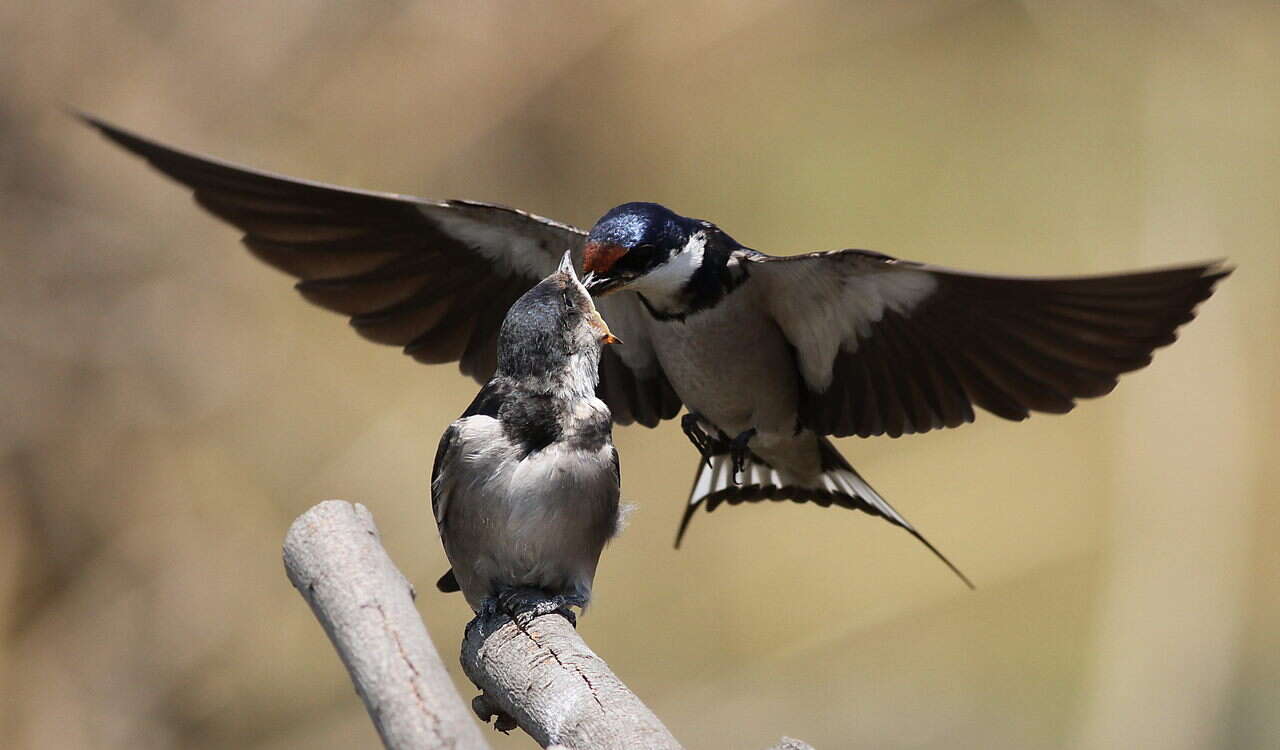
[[632, 240], [553, 326], [677, 265]]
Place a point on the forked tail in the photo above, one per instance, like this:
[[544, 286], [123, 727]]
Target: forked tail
[[838, 484]]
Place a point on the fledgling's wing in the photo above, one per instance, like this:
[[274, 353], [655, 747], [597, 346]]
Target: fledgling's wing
[[447, 462], [894, 347], [488, 400], [440, 483], [435, 277]]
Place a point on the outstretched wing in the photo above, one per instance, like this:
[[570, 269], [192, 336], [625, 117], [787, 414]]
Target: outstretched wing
[[434, 277], [894, 347]]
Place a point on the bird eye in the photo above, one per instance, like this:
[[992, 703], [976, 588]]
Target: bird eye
[[568, 300]]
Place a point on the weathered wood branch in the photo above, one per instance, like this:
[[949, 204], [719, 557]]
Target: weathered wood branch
[[334, 558], [542, 677], [578, 701]]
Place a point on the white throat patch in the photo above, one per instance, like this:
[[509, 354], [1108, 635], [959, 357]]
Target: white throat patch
[[662, 285]]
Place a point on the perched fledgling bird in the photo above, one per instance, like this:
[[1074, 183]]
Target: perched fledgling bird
[[525, 483], [770, 354]]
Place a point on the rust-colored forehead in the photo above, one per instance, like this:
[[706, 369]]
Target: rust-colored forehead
[[599, 257]]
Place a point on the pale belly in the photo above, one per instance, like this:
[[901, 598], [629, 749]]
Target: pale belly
[[732, 365], [541, 522]]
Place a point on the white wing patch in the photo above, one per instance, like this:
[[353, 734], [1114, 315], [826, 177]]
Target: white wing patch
[[824, 303], [509, 252]]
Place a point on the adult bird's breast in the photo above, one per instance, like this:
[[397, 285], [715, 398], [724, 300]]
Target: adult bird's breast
[[731, 364]]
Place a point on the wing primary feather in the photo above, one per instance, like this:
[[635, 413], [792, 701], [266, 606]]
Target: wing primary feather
[[406, 270], [921, 346]]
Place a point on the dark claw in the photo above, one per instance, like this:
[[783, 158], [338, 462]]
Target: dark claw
[[485, 708], [485, 617], [568, 614], [739, 450], [504, 723], [691, 424], [523, 605]]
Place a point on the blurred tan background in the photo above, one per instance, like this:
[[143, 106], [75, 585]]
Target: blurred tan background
[[169, 404]]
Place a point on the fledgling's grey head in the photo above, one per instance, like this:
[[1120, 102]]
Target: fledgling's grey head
[[554, 329]]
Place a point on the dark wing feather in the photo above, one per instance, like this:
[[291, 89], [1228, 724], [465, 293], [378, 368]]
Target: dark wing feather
[[434, 277], [889, 347], [438, 504], [447, 583]]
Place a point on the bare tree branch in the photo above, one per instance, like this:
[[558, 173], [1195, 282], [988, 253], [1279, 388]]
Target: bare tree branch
[[541, 677], [335, 560], [579, 702]]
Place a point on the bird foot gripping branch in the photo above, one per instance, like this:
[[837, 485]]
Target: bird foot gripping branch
[[487, 711], [524, 604]]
